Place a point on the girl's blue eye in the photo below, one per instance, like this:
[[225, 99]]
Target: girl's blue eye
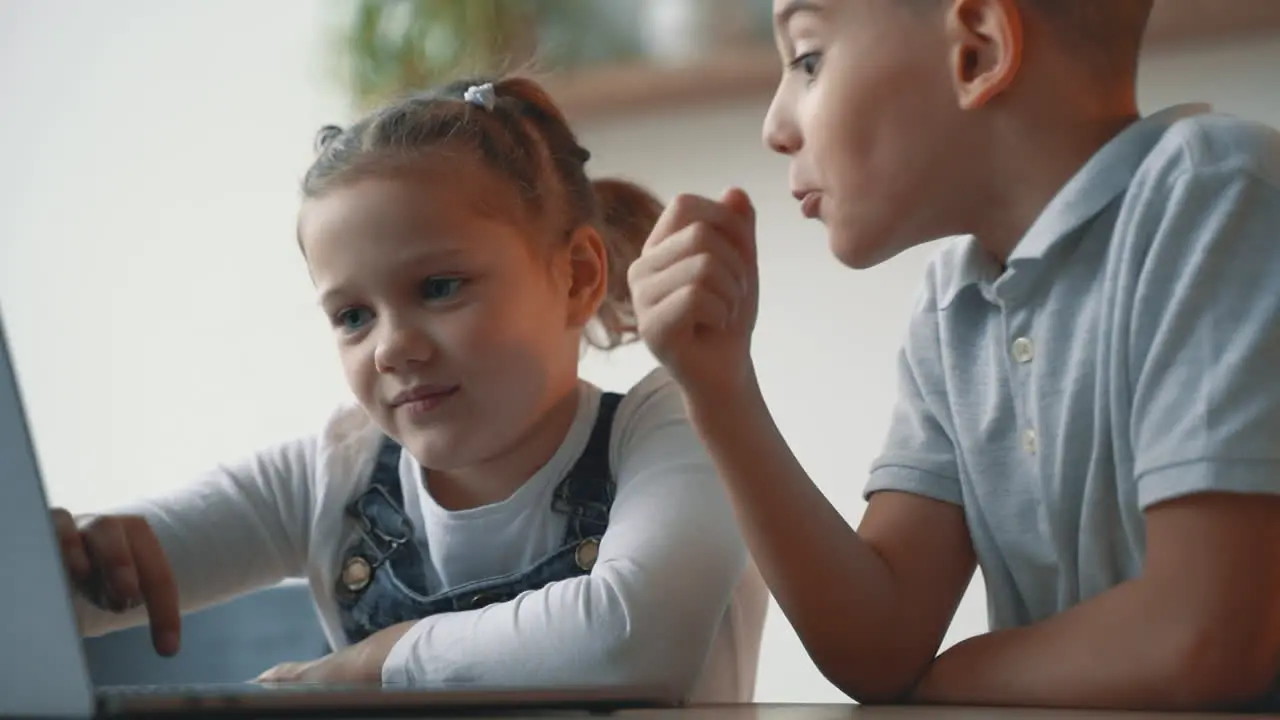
[[352, 319], [807, 63], [440, 288]]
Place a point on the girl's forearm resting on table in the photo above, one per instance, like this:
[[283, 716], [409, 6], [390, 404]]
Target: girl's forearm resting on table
[[645, 617]]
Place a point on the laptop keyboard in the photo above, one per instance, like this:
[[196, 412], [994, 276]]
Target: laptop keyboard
[[199, 689]]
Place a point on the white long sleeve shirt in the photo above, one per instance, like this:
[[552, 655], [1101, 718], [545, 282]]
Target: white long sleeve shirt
[[673, 600]]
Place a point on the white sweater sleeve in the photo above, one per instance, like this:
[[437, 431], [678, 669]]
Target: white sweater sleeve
[[239, 528], [647, 614]]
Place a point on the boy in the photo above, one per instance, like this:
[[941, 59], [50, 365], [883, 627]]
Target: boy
[[1090, 384]]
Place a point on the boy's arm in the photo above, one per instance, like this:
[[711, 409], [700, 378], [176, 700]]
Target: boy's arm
[[1197, 631], [870, 607], [1200, 627]]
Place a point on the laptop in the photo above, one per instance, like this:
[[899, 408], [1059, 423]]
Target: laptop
[[43, 669]]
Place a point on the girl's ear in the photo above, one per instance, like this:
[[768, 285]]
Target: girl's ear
[[588, 266]]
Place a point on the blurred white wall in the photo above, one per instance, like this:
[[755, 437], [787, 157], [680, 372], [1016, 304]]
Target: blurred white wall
[[162, 317]]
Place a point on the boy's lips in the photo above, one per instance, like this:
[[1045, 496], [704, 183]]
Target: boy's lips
[[810, 203]]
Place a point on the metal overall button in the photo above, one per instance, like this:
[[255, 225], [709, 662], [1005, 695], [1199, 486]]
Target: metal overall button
[[485, 598], [586, 554], [357, 574]]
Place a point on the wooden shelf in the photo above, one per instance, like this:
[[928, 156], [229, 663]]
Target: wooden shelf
[[753, 71], [619, 91], [1177, 22]]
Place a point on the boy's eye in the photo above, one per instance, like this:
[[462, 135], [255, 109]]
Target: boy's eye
[[807, 63], [352, 319], [440, 288]]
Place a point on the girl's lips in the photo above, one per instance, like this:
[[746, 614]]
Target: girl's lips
[[423, 399]]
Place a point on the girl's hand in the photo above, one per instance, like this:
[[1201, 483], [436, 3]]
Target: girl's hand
[[116, 562], [695, 291], [359, 664]]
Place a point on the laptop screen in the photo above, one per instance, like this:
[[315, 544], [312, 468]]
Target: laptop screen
[[42, 668]]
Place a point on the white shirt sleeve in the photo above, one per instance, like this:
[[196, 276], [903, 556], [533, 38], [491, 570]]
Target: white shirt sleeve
[[239, 528], [649, 611]]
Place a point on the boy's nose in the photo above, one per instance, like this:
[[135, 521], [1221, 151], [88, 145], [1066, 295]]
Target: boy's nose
[[781, 133]]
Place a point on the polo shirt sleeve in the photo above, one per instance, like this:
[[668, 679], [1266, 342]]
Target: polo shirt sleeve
[[919, 456], [1204, 360]]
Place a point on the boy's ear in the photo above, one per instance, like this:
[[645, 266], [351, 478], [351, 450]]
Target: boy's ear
[[588, 274], [985, 44]]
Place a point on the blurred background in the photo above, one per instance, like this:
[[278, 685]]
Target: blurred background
[[150, 151]]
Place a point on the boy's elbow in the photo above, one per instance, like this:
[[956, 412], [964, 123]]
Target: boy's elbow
[[881, 682], [878, 696]]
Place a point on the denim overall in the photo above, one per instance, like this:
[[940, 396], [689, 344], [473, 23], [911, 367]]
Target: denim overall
[[382, 581]]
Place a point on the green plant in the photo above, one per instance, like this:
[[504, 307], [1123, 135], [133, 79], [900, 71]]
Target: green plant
[[390, 47]]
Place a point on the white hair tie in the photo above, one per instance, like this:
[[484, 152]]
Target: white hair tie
[[481, 96]]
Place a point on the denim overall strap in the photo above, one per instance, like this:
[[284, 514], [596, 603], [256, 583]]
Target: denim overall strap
[[383, 527], [383, 581], [586, 493]]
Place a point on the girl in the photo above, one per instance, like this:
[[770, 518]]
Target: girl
[[482, 515]]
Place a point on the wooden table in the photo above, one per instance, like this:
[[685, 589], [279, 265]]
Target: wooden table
[[855, 712], [832, 712]]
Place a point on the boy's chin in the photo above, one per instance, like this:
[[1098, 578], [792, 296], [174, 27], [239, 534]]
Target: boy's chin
[[859, 252]]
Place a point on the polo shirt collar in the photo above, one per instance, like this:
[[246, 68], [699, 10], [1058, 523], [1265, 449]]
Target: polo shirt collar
[[1104, 177]]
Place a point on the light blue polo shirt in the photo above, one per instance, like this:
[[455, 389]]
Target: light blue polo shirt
[[1129, 354]]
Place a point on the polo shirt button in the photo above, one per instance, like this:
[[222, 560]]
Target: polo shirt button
[[1029, 442], [1023, 350]]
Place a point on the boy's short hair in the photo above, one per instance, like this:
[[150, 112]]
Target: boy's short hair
[[1109, 32]]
